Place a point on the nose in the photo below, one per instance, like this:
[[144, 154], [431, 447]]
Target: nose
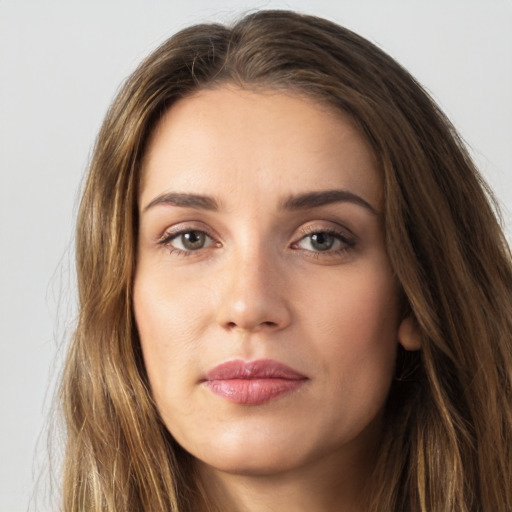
[[253, 294]]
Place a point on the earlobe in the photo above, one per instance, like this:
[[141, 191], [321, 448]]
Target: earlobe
[[409, 334]]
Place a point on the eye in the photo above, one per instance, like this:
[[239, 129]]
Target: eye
[[319, 242], [187, 241], [327, 241]]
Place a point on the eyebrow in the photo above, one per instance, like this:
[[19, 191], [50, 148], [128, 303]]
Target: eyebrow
[[325, 197], [293, 202], [197, 201]]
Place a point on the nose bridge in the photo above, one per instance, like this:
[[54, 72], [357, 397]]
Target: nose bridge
[[253, 296], [255, 267]]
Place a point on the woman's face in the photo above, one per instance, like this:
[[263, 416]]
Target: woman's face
[[263, 295]]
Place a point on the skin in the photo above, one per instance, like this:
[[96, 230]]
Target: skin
[[260, 289]]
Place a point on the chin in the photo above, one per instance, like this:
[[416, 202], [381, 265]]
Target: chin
[[246, 462], [258, 453]]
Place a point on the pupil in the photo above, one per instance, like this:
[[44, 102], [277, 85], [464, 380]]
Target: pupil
[[322, 241], [193, 240]]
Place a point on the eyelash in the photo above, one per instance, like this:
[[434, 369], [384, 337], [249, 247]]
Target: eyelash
[[168, 237], [347, 241]]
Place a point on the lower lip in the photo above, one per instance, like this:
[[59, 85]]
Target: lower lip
[[253, 391]]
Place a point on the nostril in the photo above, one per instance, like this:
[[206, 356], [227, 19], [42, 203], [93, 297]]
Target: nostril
[[233, 325]]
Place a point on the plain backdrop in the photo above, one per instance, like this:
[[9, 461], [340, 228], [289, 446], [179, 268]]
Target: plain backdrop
[[60, 66]]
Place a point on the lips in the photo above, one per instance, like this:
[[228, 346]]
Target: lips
[[253, 382]]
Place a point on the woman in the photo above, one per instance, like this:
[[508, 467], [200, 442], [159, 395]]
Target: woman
[[294, 293]]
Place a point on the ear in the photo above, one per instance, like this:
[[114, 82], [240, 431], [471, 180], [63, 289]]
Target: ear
[[409, 334]]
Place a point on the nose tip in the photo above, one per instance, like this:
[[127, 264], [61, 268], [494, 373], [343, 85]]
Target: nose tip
[[254, 300], [250, 317]]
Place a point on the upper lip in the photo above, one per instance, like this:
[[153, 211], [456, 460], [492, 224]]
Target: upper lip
[[259, 369]]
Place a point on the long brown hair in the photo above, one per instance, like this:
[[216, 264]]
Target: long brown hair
[[448, 439]]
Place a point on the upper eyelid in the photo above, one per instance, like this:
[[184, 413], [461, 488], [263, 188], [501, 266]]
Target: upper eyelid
[[344, 240], [166, 241], [338, 229], [305, 229], [185, 227]]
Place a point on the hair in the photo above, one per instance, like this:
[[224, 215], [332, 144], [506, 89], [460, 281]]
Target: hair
[[447, 443]]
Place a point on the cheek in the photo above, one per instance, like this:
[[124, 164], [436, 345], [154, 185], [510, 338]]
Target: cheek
[[167, 309], [169, 320], [355, 307], [356, 334]]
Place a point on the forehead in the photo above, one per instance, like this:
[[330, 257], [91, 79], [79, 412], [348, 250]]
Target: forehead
[[230, 142]]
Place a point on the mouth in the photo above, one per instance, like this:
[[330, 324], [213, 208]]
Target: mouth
[[253, 382]]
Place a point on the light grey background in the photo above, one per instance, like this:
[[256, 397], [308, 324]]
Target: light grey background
[[60, 66]]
